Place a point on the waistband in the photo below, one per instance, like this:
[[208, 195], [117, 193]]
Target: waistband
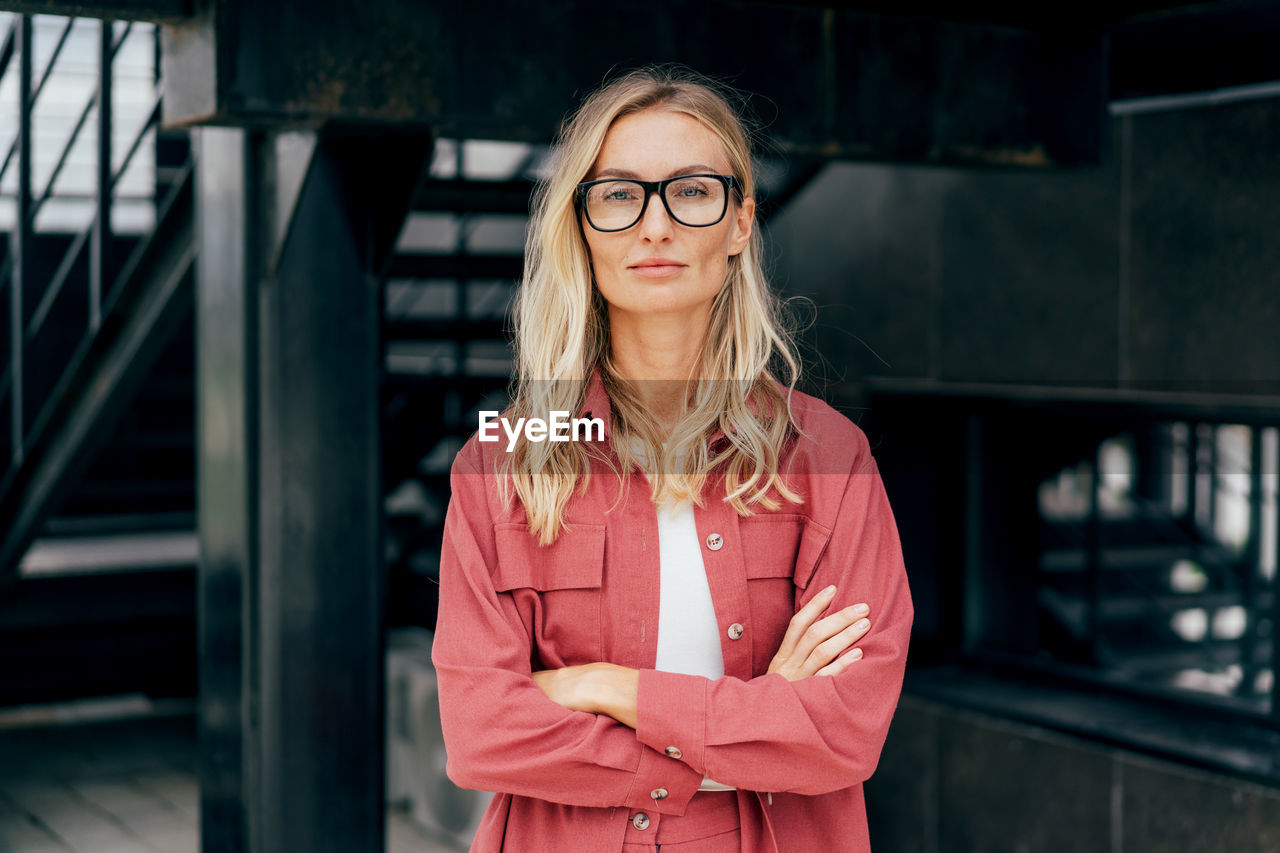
[[708, 813]]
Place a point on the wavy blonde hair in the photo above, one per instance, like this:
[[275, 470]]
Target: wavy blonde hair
[[562, 334]]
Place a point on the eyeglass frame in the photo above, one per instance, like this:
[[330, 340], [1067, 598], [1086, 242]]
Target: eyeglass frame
[[658, 188]]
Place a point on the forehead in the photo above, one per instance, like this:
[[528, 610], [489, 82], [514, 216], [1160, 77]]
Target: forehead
[[655, 142]]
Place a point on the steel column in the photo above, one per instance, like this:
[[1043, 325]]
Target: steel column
[[226, 476], [292, 583], [1274, 474], [21, 243], [973, 624], [100, 237], [1251, 561], [1094, 560], [321, 592]]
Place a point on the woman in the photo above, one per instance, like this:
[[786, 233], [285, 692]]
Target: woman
[[646, 641]]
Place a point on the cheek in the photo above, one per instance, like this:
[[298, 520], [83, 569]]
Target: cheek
[[716, 256], [600, 251]]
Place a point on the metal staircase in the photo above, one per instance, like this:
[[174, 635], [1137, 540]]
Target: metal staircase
[[97, 390]]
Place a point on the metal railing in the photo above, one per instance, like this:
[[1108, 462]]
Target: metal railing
[[41, 308], [89, 290]]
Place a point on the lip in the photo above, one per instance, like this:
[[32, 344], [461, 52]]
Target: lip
[[657, 267]]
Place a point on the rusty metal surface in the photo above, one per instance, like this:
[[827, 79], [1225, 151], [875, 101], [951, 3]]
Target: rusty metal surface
[[158, 11], [824, 82]]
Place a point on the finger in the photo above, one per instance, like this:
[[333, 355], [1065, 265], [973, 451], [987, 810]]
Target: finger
[[828, 650], [838, 665], [828, 627], [802, 620]]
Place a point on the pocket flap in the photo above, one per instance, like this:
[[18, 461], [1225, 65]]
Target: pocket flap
[[574, 561], [770, 544], [782, 546]]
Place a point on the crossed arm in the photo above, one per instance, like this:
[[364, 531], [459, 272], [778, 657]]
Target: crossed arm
[[812, 646]]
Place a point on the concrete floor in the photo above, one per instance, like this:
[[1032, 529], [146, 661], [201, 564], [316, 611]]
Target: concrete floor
[[120, 787]]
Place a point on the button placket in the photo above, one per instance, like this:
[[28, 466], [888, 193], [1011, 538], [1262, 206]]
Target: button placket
[[718, 526]]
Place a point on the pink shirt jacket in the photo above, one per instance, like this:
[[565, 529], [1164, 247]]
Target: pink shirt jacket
[[572, 781]]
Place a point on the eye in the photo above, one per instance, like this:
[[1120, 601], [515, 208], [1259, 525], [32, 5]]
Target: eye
[[691, 189], [615, 193]]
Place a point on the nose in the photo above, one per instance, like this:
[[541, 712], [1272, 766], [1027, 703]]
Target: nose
[[655, 223]]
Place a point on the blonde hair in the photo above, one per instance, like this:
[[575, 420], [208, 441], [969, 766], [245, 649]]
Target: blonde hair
[[562, 333]]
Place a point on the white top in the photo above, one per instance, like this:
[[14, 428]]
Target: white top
[[688, 633]]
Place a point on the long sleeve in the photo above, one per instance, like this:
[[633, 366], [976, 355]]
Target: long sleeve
[[501, 732], [818, 734]]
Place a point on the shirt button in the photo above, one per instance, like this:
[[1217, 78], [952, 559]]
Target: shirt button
[[715, 542], [735, 630], [674, 752], [658, 793], [640, 821]]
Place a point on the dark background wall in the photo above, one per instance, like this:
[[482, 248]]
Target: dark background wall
[[1158, 269]]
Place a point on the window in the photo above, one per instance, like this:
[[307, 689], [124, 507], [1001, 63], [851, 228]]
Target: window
[[1160, 571]]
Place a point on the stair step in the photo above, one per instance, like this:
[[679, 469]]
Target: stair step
[[1151, 526], [1145, 657], [118, 524], [427, 330], [153, 440], [459, 196], [1126, 557], [1118, 608], [456, 266], [122, 552]]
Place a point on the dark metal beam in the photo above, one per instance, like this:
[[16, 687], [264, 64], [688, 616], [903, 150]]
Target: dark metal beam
[[228, 217], [101, 244], [21, 243], [830, 83], [1000, 13], [158, 11], [1206, 47], [290, 491]]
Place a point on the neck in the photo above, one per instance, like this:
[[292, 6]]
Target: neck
[[659, 354]]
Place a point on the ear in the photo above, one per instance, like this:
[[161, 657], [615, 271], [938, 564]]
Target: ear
[[743, 222]]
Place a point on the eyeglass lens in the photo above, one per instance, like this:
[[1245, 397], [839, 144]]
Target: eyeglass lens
[[692, 201]]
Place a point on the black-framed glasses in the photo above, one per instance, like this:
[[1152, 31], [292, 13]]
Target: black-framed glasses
[[615, 204]]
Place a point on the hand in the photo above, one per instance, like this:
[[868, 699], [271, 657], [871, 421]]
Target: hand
[[597, 688], [814, 646]]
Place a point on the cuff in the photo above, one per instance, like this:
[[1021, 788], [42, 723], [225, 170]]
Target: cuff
[[662, 785], [671, 716]]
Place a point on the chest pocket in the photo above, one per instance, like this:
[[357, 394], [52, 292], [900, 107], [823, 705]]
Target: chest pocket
[[556, 589], [781, 553]]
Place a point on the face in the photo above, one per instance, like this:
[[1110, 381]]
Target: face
[[652, 145]]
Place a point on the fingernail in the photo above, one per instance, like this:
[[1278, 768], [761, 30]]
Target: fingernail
[[861, 610], [861, 625], [855, 654], [829, 590]]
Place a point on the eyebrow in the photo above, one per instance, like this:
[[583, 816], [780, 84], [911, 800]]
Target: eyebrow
[[683, 170]]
